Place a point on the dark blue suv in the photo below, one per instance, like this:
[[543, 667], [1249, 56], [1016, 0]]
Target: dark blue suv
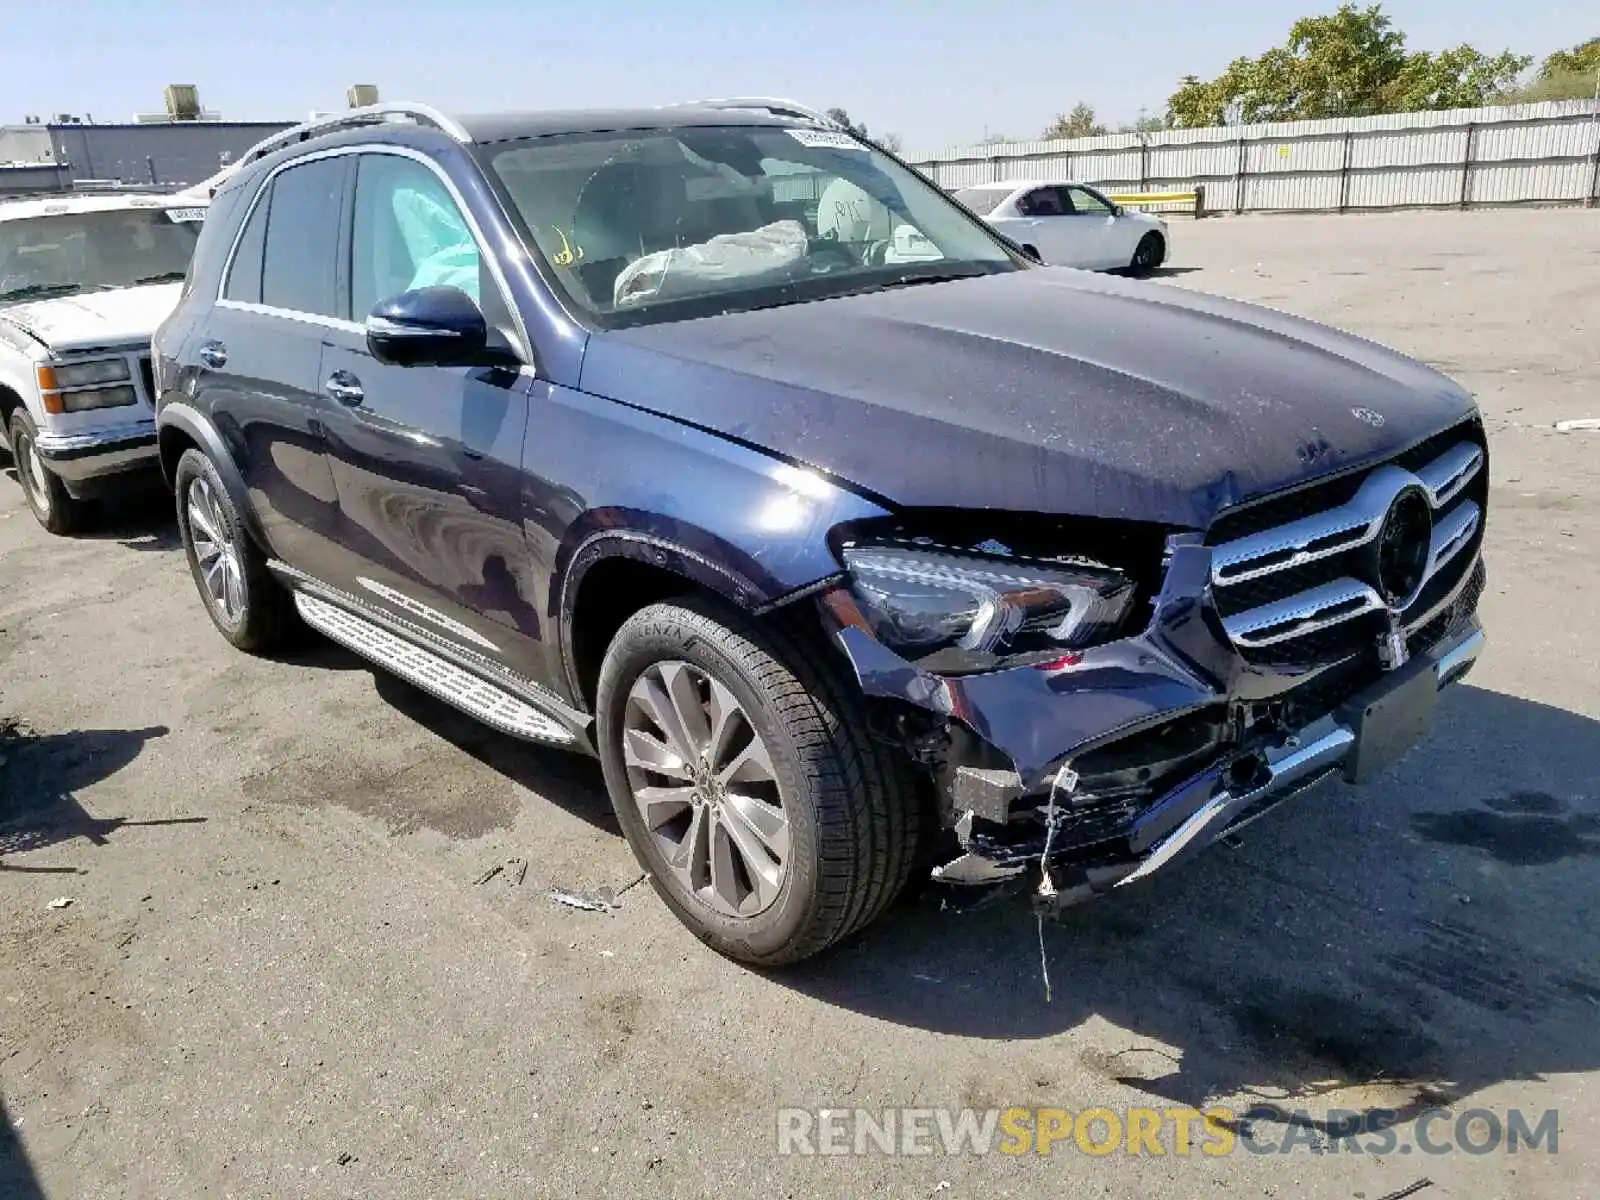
[[719, 443]]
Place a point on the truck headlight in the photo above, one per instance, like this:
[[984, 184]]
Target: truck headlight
[[111, 397], [959, 613], [84, 374]]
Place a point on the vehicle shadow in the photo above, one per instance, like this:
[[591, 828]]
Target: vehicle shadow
[[17, 1180], [38, 779], [571, 781], [142, 520], [1379, 950]]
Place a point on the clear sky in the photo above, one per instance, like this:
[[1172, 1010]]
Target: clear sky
[[935, 73]]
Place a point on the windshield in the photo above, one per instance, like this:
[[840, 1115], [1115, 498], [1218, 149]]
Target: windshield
[[64, 253], [982, 200], [662, 224]]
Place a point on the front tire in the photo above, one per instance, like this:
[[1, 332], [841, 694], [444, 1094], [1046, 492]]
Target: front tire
[[744, 777], [1148, 255], [53, 506], [247, 605]]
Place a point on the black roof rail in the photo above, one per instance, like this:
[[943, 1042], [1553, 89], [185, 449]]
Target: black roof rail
[[372, 114]]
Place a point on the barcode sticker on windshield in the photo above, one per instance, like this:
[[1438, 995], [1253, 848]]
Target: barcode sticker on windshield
[[186, 214], [822, 139]]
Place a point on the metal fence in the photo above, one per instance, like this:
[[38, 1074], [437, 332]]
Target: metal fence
[[1546, 153]]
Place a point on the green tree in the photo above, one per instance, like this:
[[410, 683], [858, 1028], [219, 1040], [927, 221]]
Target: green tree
[[1144, 125], [1350, 63], [839, 117], [1564, 75], [1079, 123]]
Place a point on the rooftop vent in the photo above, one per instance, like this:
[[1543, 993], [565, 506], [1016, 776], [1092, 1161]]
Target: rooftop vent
[[183, 102], [361, 95]]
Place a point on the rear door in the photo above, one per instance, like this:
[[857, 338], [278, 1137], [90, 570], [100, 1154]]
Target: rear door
[[427, 460], [1096, 231], [258, 350]]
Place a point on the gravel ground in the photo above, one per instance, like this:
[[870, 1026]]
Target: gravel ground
[[281, 973]]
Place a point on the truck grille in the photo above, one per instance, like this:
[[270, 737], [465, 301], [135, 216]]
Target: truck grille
[[147, 377], [1310, 576]]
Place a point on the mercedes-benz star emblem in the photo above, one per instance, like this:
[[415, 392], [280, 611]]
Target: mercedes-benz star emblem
[[1402, 548], [1375, 419]]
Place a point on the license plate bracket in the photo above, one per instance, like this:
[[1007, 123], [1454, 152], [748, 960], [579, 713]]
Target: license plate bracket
[[1389, 717]]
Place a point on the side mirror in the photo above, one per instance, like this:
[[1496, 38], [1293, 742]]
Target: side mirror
[[1027, 252], [428, 327]]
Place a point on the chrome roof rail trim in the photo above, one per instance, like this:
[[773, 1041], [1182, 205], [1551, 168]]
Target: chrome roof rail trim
[[372, 114], [772, 104]]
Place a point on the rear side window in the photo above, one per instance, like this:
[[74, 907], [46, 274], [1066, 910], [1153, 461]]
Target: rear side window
[[302, 238], [244, 276]]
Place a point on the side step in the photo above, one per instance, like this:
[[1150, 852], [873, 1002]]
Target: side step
[[494, 706]]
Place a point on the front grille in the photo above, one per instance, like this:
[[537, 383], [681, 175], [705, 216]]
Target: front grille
[[1293, 576], [147, 376]]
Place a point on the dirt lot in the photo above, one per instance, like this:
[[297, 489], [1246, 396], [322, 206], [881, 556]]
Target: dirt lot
[[280, 976]]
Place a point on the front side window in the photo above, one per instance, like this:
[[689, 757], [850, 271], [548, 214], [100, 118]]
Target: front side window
[[1043, 202], [408, 233], [61, 254], [302, 238], [662, 224]]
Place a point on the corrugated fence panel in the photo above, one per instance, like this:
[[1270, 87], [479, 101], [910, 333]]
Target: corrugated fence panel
[[1530, 152], [1508, 183], [1279, 192], [1417, 186], [1408, 148]]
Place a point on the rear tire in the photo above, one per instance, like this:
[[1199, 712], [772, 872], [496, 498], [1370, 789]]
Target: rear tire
[[54, 507], [247, 605], [1148, 255], [840, 806]]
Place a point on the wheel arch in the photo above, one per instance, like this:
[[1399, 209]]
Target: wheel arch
[[180, 428]]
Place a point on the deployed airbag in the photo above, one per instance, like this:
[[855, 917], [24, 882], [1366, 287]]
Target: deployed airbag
[[772, 250]]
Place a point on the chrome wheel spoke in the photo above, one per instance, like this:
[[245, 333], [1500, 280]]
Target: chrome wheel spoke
[[643, 752], [752, 764], [724, 715], [762, 868], [650, 694], [683, 690], [660, 805], [764, 822]]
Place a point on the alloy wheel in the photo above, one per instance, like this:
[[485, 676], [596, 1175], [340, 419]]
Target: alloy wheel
[[221, 573], [706, 788]]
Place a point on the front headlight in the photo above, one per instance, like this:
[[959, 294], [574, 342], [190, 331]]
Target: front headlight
[[110, 370], [959, 613]]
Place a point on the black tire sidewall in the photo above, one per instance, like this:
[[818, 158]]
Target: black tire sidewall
[[65, 513], [666, 632], [195, 465], [1150, 239]]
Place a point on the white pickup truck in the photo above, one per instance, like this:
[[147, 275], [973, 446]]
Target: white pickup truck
[[84, 282]]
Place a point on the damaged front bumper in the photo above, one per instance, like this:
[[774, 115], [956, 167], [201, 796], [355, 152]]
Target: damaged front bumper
[[1115, 763]]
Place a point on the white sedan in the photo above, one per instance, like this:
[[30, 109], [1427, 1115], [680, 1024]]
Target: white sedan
[[1070, 225]]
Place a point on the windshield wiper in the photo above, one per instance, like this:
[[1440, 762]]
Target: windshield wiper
[[34, 291], [939, 277], [164, 277]]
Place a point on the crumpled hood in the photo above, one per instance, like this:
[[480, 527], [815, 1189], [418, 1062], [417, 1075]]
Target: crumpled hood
[[110, 318], [1046, 390]]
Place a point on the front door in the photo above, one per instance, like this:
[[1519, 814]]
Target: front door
[[427, 460], [1096, 231]]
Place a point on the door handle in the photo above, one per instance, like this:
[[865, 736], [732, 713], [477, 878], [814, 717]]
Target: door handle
[[345, 388], [214, 355]]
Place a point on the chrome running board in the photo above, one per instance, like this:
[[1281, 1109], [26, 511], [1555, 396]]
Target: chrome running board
[[492, 705]]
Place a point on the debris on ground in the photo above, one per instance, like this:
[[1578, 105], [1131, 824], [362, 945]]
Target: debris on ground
[[1409, 1190], [1582, 424], [488, 875], [61, 902], [519, 871], [602, 900]]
